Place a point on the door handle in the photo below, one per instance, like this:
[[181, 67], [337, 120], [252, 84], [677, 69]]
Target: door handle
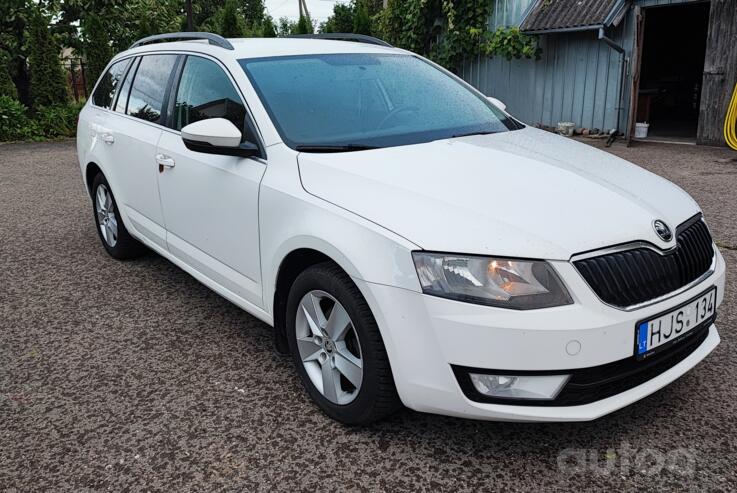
[[108, 138], [164, 161]]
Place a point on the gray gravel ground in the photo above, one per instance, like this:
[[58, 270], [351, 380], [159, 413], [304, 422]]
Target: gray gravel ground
[[133, 376]]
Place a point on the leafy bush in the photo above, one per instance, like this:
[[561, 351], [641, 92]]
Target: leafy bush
[[47, 122], [14, 124], [510, 43], [447, 31], [59, 120]]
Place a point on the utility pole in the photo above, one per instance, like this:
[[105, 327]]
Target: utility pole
[[301, 13], [188, 8], [386, 3]]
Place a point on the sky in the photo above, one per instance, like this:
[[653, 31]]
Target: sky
[[319, 9]]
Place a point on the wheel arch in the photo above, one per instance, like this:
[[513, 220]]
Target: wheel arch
[[91, 170], [292, 265]]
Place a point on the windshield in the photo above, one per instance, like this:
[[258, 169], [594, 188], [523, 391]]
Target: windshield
[[341, 102]]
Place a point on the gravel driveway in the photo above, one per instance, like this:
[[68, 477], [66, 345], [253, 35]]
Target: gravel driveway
[[133, 376]]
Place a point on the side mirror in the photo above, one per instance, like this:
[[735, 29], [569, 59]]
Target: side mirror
[[217, 136], [497, 103]]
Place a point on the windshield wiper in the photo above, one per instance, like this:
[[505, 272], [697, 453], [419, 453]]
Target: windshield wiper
[[334, 148], [483, 132]]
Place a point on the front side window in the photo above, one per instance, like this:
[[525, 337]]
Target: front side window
[[362, 100], [105, 90], [149, 87], [205, 91]]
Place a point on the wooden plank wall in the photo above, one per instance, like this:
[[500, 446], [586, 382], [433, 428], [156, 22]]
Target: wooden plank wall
[[720, 71], [577, 79]]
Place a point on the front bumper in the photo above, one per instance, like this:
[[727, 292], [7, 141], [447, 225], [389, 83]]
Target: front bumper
[[426, 337]]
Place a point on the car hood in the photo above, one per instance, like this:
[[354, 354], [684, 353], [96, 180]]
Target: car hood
[[525, 193]]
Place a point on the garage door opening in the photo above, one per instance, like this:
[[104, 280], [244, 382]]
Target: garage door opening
[[673, 52]]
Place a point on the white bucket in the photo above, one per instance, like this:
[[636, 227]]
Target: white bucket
[[641, 130], [566, 128]]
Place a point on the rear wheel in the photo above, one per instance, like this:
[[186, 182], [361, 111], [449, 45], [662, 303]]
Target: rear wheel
[[337, 348], [115, 238]]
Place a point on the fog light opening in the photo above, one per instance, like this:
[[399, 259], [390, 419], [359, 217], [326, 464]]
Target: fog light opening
[[541, 387]]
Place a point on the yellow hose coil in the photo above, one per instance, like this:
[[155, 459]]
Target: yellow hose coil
[[730, 123]]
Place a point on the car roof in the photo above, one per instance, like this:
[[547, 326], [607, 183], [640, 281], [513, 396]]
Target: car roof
[[265, 47]]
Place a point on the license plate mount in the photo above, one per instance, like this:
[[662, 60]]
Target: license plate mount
[[667, 328]]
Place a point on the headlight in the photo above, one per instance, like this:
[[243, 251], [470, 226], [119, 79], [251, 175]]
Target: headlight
[[506, 283]]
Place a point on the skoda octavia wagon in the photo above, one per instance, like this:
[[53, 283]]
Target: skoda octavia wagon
[[410, 242]]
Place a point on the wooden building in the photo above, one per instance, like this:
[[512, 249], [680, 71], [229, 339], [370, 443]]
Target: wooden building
[[607, 64]]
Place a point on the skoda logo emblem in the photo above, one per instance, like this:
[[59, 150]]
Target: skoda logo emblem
[[663, 230]]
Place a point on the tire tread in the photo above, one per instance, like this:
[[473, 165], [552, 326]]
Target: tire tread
[[386, 400]]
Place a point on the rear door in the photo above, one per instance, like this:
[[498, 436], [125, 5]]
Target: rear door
[[94, 120], [133, 132], [210, 202]]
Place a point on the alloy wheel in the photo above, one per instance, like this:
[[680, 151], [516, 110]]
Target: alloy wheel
[[105, 208], [329, 347]]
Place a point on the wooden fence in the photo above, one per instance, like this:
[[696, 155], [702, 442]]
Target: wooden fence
[[76, 78]]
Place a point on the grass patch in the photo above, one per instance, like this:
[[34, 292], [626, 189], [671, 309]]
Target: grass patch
[[726, 246]]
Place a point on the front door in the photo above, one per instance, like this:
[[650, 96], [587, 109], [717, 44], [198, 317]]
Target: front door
[[210, 202]]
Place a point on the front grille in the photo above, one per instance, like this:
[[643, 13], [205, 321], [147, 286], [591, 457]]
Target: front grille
[[631, 277], [588, 385]]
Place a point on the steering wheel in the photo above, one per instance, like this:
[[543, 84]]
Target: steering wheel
[[393, 113]]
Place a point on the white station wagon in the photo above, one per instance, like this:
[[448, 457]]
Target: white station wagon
[[410, 242]]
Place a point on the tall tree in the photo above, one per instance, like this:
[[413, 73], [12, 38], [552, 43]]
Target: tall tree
[[7, 86], [285, 27], [147, 17], [304, 25], [268, 30], [48, 82], [231, 23], [14, 15], [253, 10], [341, 21], [97, 49], [361, 18], [354, 17]]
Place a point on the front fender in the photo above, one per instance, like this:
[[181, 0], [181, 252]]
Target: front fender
[[293, 219]]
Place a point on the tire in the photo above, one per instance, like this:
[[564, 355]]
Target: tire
[[376, 396], [110, 228]]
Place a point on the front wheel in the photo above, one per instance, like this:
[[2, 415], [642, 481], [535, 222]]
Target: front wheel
[[337, 348]]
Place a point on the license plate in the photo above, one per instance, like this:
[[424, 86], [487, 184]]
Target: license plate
[[671, 326]]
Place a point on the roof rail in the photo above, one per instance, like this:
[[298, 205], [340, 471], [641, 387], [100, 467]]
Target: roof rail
[[213, 39], [359, 38]]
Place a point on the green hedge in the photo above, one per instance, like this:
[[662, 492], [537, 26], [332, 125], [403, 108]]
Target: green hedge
[[46, 122]]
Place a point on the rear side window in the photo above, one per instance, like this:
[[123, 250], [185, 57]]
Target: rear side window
[[105, 91], [205, 91], [146, 97], [122, 101]]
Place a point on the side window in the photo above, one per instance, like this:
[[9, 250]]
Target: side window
[[206, 92], [122, 102], [149, 87], [105, 91]]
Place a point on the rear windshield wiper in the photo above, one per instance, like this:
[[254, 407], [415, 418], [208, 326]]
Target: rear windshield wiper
[[334, 148]]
